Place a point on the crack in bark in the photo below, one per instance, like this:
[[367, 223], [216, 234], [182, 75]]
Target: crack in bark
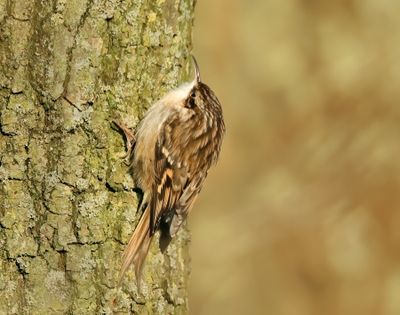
[[69, 101], [19, 19]]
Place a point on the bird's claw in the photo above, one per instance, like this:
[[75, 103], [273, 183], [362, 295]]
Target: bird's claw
[[130, 140]]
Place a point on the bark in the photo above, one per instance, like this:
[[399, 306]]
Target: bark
[[67, 208]]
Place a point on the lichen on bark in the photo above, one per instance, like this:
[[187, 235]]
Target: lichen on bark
[[67, 208]]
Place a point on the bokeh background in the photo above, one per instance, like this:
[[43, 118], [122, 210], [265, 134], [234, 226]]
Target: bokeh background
[[302, 214]]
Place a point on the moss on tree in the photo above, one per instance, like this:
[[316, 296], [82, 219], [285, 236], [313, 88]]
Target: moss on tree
[[67, 68]]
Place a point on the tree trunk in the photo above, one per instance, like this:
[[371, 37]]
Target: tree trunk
[[67, 208]]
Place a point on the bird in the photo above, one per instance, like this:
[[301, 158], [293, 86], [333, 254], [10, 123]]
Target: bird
[[169, 156]]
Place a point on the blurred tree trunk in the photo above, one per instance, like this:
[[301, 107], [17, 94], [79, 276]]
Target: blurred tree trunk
[[67, 209]]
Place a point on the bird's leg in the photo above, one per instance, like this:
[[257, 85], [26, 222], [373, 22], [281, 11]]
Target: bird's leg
[[129, 137]]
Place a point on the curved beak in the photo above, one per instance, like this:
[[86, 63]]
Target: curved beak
[[196, 70]]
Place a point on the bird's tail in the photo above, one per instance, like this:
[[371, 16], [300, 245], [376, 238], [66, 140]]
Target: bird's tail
[[138, 247]]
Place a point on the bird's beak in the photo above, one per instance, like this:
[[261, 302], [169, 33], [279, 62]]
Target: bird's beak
[[196, 70]]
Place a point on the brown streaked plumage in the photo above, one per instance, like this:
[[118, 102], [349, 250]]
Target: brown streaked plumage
[[170, 153]]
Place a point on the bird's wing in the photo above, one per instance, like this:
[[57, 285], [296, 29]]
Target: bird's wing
[[186, 202], [171, 175], [170, 178]]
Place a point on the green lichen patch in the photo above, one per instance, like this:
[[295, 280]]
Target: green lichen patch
[[21, 9], [13, 163], [19, 111], [37, 158], [18, 210], [62, 46], [73, 12], [85, 62], [71, 163], [10, 288], [20, 242], [3, 8], [80, 259], [53, 294], [61, 199], [63, 229]]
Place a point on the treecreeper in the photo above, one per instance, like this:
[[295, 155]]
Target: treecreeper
[[169, 155]]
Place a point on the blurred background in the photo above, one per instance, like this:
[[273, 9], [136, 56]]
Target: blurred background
[[301, 216]]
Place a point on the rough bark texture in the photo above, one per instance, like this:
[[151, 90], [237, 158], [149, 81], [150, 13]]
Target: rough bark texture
[[67, 68]]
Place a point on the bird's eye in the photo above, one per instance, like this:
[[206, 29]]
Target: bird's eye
[[190, 103]]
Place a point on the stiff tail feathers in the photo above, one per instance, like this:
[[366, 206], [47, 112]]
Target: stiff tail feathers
[[138, 247]]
